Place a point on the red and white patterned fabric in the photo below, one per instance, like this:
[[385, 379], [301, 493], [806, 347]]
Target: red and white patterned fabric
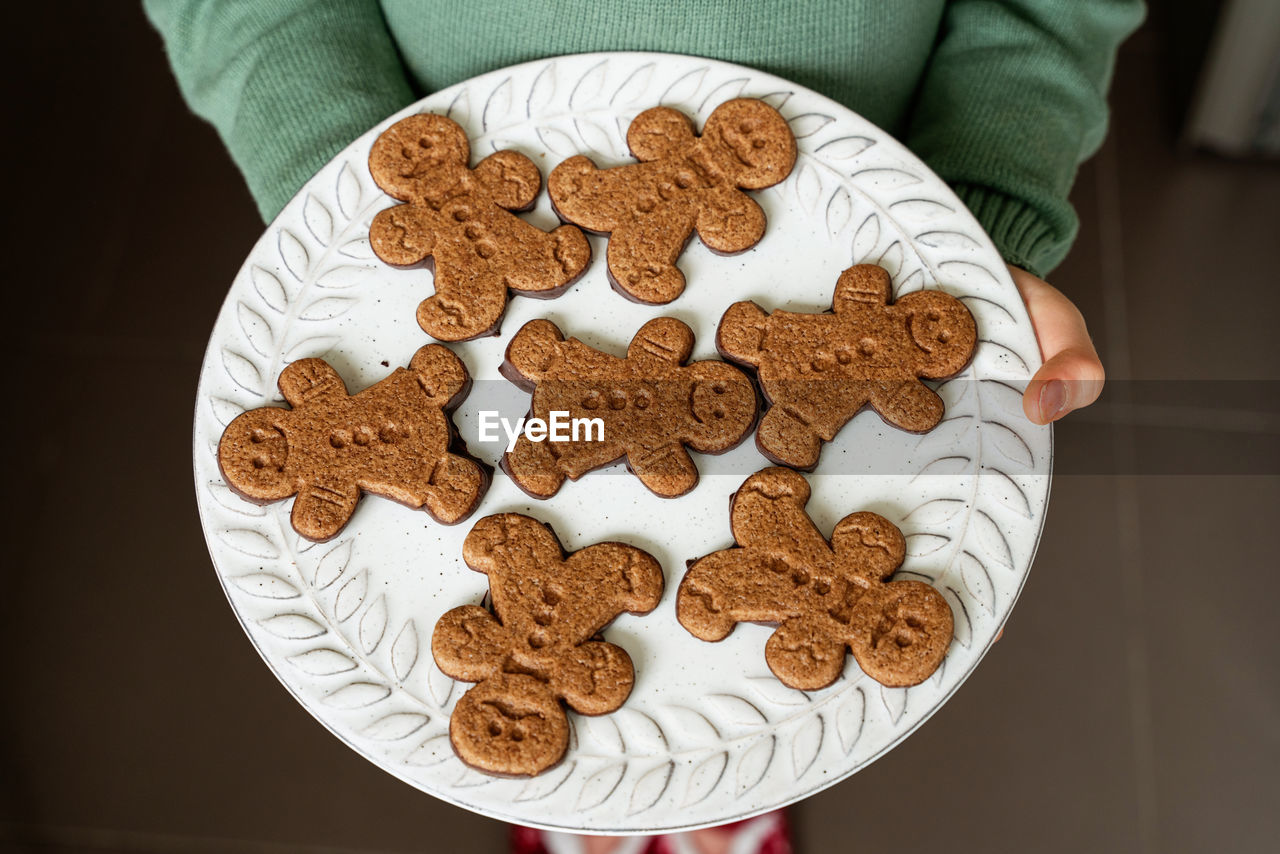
[[765, 834]]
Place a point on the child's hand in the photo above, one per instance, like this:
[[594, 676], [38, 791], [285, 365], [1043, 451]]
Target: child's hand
[[1071, 376]]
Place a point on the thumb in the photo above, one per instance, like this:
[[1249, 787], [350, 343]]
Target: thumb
[[1072, 375]]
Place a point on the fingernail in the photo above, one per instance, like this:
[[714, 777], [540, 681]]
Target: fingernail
[[1053, 399]]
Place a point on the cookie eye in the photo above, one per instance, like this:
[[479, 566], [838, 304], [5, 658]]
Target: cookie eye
[[259, 435], [426, 143], [718, 388], [260, 462], [944, 336], [757, 144], [934, 315], [745, 127]]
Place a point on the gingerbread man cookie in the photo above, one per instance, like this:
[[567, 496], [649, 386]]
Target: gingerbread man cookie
[[826, 597], [818, 370], [540, 645], [460, 218], [650, 405], [683, 183], [392, 439]]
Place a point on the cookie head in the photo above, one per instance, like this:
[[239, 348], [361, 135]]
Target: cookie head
[[751, 142], [509, 724], [723, 405], [419, 157], [254, 455], [942, 328]]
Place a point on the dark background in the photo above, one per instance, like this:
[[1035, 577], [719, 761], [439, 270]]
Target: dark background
[[1134, 704]]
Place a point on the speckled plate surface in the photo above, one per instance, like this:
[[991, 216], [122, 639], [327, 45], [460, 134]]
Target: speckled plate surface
[[708, 734]]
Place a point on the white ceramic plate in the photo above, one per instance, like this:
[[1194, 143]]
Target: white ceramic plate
[[708, 735]]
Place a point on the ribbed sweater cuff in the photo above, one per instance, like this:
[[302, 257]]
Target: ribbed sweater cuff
[[1024, 238]]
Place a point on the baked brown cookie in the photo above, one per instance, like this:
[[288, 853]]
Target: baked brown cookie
[[650, 403], [460, 218], [683, 183], [826, 597], [540, 646], [818, 370], [392, 439]]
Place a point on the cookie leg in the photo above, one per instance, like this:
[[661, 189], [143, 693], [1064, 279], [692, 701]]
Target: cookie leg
[[786, 436], [455, 489], [534, 468], [911, 405], [803, 657], [322, 509], [462, 308], [642, 261]]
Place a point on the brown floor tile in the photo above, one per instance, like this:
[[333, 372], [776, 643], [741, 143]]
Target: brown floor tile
[[1199, 245], [1211, 586], [1034, 752]]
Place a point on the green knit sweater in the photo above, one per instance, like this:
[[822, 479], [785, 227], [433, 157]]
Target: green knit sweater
[[1002, 99]]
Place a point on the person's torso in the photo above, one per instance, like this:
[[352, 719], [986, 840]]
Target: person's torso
[[866, 54]]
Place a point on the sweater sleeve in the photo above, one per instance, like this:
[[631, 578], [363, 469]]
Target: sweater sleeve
[[286, 83], [1013, 100]]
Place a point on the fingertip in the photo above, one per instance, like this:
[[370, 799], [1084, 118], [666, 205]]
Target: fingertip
[[1073, 379]]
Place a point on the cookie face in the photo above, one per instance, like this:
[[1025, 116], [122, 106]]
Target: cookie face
[[826, 597], [683, 183], [650, 406], [539, 647], [392, 439], [819, 370], [459, 219]]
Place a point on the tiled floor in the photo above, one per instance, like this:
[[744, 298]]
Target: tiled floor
[[1132, 705]]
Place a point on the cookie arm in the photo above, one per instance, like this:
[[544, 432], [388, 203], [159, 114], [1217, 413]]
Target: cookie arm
[[664, 339], [583, 194], [667, 470], [861, 284], [511, 178], [871, 543], [402, 235]]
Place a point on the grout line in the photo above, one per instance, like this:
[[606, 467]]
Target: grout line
[[1174, 416], [1128, 516]]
